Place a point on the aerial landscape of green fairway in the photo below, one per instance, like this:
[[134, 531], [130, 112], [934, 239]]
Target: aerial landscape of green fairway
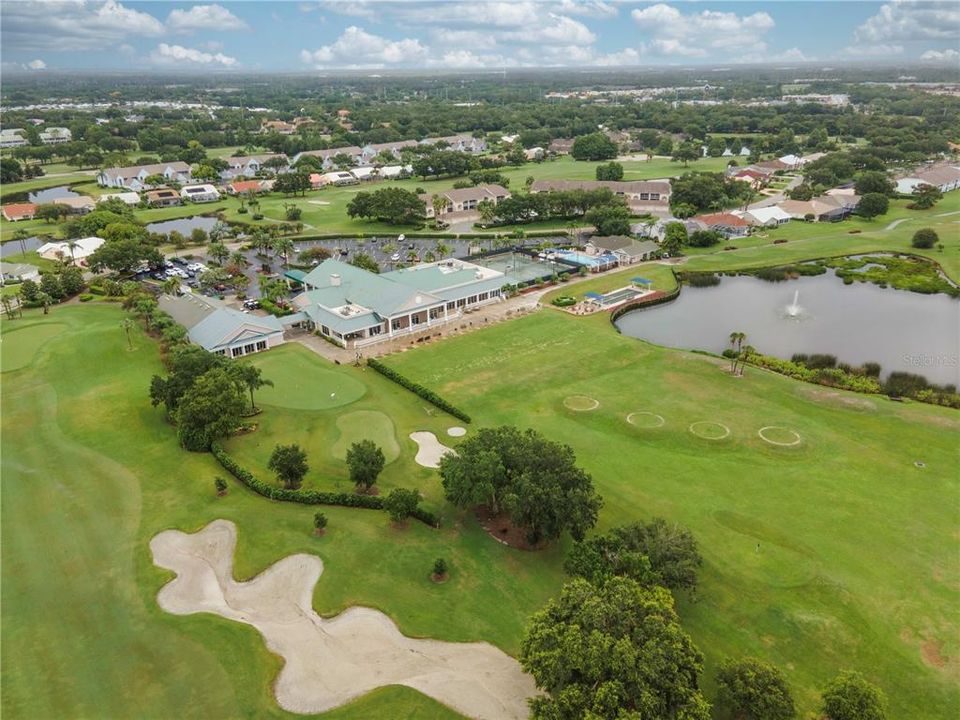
[[834, 553]]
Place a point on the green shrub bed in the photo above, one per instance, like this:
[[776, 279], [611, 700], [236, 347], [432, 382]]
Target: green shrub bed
[[426, 393], [308, 497], [564, 301]]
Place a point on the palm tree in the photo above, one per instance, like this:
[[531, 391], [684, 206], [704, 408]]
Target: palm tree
[[251, 376], [127, 326], [7, 306], [171, 285], [442, 249], [219, 252], [260, 241], [283, 246], [440, 203], [748, 350], [46, 301], [736, 338], [238, 258], [20, 235], [217, 232], [72, 245]]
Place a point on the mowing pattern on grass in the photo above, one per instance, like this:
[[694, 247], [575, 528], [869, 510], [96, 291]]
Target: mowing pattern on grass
[[709, 430], [322, 656], [646, 420], [21, 345], [581, 403], [781, 436], [366, 425]]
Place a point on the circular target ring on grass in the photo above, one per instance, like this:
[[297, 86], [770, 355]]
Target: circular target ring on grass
[[646, 420], [780, 436], [709, 430], [581, 403]]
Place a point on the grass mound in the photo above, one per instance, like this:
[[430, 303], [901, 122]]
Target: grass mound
[[366, 425], [710, 430], [776, 435], [581, 403], [646, 420]]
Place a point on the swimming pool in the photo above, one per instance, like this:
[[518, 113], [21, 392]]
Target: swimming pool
[[592, 261]]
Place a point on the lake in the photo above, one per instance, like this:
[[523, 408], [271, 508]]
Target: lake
[[901, 330], [49, 195], [183, 225], [12, 247]]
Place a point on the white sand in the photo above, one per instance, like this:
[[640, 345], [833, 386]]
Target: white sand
[[318, 202], [327, 663], [456, 431], [429, 449]]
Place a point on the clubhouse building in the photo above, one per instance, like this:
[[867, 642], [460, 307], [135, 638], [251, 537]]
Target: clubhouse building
[[355, 308]]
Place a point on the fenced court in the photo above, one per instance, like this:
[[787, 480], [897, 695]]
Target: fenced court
[[519, 267]]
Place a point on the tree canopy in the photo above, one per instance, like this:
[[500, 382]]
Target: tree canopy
[[751, 689], [211, 410], [615, 651], [289, 464], [392, 205], [535, 481], [594, 146], [850, 696], [365, 460]]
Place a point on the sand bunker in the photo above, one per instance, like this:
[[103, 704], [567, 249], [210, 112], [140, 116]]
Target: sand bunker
[[709, 430], [781, 436], [318, 202], [429, 449], [456, 431], [646, 420], [581, 403], [327, 663]]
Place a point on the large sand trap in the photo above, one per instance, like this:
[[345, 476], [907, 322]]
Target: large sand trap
[[329, 662], [429, 449]]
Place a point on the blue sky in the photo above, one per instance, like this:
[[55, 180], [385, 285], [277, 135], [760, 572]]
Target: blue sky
[[318, 35]]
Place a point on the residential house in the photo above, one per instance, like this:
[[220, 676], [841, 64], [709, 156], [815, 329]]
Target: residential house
[[12, 137], [128, 198], [460, 143], [337, 177], [80, 205], [56, 136], [247, 166], [239, 187], [19, 211], [727, 224], [61, 250], [393, 172], [277, 126], [220, 329], [18, 272], [560, 146], [766, 216], [754, 177], [366, 173], [534, 153], [162, 197], [640, 195], [200, 193], [465, 199], [356, 308], [773, 166], [824, 208], [370, 151], [944, 177], [627, 250], [326, 156], [133, 177]]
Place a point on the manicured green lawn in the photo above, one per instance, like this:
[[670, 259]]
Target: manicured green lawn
[[40, 183]]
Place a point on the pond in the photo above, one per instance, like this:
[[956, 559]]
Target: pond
[[901, 330], [13, 247], [183, 225], [49, 195]]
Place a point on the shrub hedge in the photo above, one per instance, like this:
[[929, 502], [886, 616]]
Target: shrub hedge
[[426, 393], [307, 497]]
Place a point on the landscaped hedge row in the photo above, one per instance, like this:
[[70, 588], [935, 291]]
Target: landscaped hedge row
[[307, 497], [274, 309], [426, 393]]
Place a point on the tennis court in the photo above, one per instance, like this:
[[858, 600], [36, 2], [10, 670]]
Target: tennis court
[[520, 268]]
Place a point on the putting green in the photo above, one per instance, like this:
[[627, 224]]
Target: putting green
[[20, 346], [366, 425], [304, 381]]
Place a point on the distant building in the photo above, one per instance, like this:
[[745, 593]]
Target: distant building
[[162, 197], [78, 205], [82, 249], [238, 187], [129, 198], [19, 211], [199, 193], [134, 177], [56, 136], [465, 199], [12, 137], [249, 165], [627, 250], [326, 156], [639, 194], [18, 272], [727, 224]]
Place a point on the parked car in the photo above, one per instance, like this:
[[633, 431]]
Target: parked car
[[251, 304]]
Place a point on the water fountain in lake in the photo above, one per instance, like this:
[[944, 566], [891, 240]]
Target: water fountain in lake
[[793, 309]]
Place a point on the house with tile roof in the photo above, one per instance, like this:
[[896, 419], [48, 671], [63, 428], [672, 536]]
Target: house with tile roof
[[19, 211], [356, 308], [465, 199]]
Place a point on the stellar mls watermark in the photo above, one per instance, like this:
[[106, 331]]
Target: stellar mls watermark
[[930, 360]]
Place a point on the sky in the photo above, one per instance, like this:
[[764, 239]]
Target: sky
[[327, 35]]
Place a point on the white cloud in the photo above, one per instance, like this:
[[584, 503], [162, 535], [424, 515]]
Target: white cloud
[[902, 21], [558, 30], [204, 17], [165, 54], [358, 48], [73, 25], [872, 50], [473, 39], [37, 65], [351, 8], [588, 8], [698, 34], [939, 55], [477, 14]]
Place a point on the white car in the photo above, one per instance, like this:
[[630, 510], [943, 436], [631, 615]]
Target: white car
[[196, 267]]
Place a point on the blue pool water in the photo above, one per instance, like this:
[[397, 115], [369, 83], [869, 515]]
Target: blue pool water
[[588, 260]]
